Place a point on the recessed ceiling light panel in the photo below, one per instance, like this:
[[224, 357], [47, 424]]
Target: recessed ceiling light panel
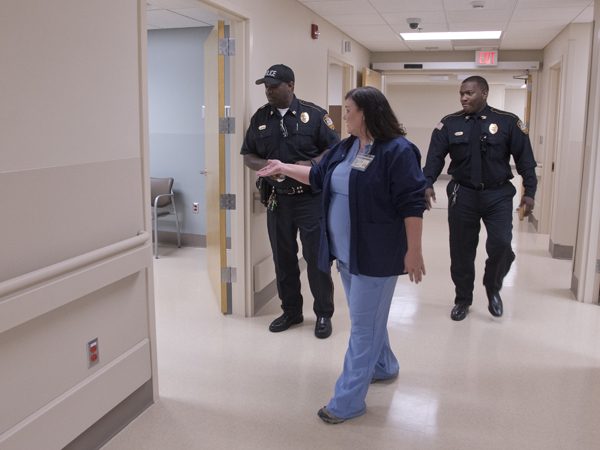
[[451, 35]]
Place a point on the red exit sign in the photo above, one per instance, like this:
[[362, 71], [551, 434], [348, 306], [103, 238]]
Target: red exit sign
[[488, 58]]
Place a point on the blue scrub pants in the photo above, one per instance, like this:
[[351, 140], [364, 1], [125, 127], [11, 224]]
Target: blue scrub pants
[[369, 354]]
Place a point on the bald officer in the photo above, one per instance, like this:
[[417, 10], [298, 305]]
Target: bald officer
[[292, 131], [480, 140]]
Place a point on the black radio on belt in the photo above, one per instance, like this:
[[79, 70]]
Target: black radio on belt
[[263, 189]]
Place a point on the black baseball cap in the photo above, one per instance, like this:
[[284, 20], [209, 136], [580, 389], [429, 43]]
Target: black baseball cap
[[277, 74]]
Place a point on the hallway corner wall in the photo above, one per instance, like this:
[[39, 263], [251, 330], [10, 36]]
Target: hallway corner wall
[[557, 203]]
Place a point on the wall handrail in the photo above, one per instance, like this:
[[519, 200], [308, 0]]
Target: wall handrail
[[55, 270]]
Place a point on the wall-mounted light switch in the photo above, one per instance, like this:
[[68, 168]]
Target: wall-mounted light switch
[[196, 209]]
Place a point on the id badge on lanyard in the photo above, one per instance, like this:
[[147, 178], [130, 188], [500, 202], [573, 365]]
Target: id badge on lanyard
[[362, 160]]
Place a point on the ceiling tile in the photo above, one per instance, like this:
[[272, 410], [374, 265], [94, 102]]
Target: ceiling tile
[[479, 15], [530, 35], [535, 26], [385, 46], [330, 8], [527, 14], [368, 33], [454, 5], [407, 6], [426, 28], [427, 17], [523, 4], [355, 19], [422, 46], [479, 26]]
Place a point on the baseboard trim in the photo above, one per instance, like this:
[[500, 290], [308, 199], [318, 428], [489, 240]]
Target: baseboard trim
[[534, 221], [558, 251], [98, 435], [270, 291], [264, 296], [574, 284]]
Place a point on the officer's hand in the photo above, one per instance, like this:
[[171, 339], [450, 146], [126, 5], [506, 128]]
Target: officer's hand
[[527, 205], [429, 195]]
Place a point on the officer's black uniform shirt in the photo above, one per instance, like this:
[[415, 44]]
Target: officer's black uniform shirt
[[309, 129], [501, 134]]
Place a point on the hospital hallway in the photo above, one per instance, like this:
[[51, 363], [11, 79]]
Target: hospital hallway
[[529, 380]]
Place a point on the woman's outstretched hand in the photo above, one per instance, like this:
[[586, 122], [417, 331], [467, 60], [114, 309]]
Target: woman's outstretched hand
[[275, 167]]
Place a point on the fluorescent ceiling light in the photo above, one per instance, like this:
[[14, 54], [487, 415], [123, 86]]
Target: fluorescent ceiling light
[[451, 35]]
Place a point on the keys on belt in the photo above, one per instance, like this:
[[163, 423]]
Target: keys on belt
[[272, 201]]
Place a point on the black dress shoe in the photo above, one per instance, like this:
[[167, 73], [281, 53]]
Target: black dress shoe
[[285, 321], [323, 327], [495, 307], [459, 312]]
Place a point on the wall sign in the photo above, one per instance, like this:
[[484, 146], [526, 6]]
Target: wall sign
[[487, 58]]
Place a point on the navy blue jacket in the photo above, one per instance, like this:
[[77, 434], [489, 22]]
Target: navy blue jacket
[[391, 189], [505, 135]]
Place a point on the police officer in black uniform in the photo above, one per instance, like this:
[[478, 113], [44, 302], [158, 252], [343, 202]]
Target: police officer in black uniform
[[292, 131], [480, 140]]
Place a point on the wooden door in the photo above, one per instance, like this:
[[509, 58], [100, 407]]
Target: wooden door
[[214, 100], [372, 78]]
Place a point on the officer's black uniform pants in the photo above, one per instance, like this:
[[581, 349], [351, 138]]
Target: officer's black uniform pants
[[295, 213], [494, 207]]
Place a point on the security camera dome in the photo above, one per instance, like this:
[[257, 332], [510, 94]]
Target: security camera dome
[[413, 22]]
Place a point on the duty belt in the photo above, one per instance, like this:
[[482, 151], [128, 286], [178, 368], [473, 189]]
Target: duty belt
[[481, 187], [291, 190]]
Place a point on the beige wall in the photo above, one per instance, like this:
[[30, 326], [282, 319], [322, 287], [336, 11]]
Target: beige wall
[[585, 280], [72, 170], [419, 115], [558, 200]]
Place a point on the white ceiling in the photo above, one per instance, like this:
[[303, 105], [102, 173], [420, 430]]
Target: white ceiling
[[525, 24]]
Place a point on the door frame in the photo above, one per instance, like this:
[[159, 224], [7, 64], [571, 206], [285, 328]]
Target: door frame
[[348, 80]]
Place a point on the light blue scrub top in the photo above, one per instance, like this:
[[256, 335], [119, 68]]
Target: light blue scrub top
[[338, 216]]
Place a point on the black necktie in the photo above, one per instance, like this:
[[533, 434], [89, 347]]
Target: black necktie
[[475, 149]]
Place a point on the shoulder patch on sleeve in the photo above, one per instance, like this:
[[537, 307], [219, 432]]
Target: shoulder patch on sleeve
[[328, 121], [440, 126], [523, 127], [309, 105]]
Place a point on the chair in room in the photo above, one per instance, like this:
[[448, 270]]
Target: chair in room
[[161, 193]]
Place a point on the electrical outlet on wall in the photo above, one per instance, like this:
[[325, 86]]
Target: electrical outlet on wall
[[93, 355]]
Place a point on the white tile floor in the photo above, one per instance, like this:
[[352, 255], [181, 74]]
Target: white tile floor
[[529, 380]]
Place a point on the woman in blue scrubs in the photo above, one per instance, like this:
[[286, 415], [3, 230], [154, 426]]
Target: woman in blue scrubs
[[373, 203]]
